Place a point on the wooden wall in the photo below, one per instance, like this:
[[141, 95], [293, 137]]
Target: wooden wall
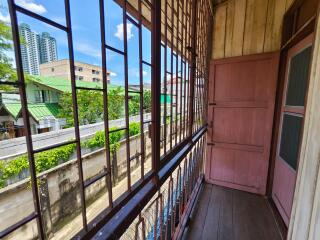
[[244, 27]]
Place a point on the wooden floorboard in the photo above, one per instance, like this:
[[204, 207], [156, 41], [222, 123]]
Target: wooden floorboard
[[226, 214]]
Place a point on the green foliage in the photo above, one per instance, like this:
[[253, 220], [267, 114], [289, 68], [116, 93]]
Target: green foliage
[[134, 129], [7, 73], [134, 105], [52, 158], [43, 162], [49, 159], [98, 140], [115, 103], [90, 107], [147, 101]]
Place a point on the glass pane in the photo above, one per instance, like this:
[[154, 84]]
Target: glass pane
[[290, 139], [298, 78]]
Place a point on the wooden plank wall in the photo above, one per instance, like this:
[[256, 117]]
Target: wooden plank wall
[[245, 27]]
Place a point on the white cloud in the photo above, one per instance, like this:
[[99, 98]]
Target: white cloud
[[113, 74], [119, 33], [5, 19], [32, 6], [87, 49], [137, 73]]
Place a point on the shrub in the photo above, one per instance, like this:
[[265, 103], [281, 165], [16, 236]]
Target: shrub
[[134, 129]]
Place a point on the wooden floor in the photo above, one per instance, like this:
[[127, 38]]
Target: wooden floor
[[226, 214]]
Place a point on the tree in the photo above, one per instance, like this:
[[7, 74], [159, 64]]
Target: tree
[[116, 103], [7, 73], [134, 105], [147, 101], [90, 107]]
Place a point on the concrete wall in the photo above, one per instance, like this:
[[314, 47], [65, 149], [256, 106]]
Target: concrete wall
[[59, 190]]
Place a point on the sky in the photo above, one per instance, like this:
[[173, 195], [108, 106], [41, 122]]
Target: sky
[[85, 20]]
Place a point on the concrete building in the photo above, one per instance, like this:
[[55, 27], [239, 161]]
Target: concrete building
[[83, 71], [37, 49]]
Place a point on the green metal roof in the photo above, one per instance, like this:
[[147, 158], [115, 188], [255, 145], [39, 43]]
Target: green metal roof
[[64, 85], [12, 108], [42, 110], [37, 110]]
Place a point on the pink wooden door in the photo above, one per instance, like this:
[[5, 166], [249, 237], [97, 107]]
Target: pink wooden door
[[240, 116], [292, 118]]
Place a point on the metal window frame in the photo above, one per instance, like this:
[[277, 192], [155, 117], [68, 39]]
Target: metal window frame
[[162, 166]]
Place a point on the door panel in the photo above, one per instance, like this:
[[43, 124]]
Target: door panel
[[240, 116], [239, 125], [291, 125]]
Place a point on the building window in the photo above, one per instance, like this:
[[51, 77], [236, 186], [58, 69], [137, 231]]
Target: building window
[[52, 69], [38, 96], [96, 79], [42, 96], [95, 72], [79, 77], [80, 69]]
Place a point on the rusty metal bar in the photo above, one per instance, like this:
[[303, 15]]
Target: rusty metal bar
[[142, 145], [165, 77], [126, 106], [53, 146], [171, 69], [25, 113], [19, 224], [193, 66], [156, 83], [41, 18], [75, 113]]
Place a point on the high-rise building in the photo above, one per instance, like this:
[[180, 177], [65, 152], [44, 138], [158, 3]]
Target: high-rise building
[[30, 50], [36, 49], [48, 48]]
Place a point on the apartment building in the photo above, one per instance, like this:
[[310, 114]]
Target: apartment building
[[83, 71], [38, 48]]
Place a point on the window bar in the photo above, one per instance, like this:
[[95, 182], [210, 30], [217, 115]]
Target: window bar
[[75, 113], [181, 72], [193, 66], [185, 38], [177, 75], [156, 82], [105, 101], [25, 113], [125, 49], [43, 149], [171, 69], [40, 18], [188, 54], [142, 145], [165, 74]]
